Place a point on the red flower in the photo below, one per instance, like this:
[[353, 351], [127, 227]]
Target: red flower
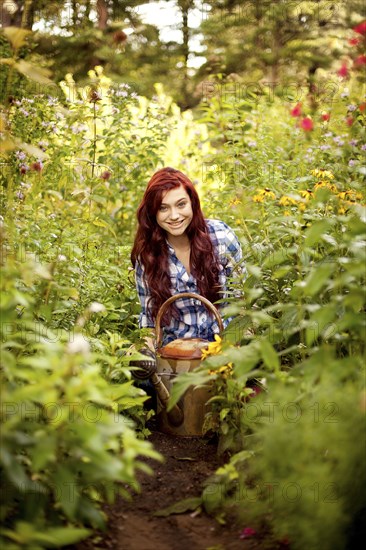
[[105, 175], [306, 124], [296, 111], [354, 41], [23, 168], [119, 37], [360, 28], [343, 72], [94, 96], [349, 120], [37, 166], [325, 117], [247, 532], [360, 60], [362, 107]]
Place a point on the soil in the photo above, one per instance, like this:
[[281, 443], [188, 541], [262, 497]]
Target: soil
[[133, 525]]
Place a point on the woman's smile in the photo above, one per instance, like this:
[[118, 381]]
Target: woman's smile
[[175, 212]]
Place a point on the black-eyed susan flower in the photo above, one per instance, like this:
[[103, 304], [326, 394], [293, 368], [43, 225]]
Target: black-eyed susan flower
[[350, 195], [306, 193], [325, 185], [263, 194], [235, 201], [285, 200], [321, 173]]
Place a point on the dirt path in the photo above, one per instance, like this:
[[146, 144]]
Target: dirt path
[[133, 526]]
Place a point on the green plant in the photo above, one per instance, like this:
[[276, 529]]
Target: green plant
[[68, 442]]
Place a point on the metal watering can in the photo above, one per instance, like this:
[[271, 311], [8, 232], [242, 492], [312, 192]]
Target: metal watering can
[[181, 355]]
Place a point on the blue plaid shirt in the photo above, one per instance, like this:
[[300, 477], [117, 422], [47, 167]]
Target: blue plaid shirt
[[194, 320]]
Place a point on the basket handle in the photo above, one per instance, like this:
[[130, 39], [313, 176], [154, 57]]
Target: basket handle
[[166, 304]]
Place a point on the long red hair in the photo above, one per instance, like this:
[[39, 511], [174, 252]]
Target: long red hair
[[151, 250]]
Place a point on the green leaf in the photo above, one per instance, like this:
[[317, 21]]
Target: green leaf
[[254, 270], [269, 355], [101, 223], [180, 507], [244, 359], [212, 496], [66, 490], [90, 513], [316, 231], [183, 382], [319, 321], [355, 299], [44, 451], [55, 537], [63, 536], [317, 278], [16, 36], [278, 257], [7, 60], [31, 71]]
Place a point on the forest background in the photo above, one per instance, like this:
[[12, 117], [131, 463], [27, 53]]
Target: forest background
[[269, 121], [258, 43]]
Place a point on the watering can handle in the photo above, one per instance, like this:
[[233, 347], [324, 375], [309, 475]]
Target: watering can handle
[[166, 304]]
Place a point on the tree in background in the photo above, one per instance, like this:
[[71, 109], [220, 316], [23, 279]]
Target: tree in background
[[261, 42], [275, 42]]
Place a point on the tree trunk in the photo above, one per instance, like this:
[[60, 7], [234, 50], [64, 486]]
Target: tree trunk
[[15, 19], [74, 13], [28, 15], [102, 11], [185, 6]]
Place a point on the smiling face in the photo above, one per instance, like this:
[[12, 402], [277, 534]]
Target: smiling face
[[175, 212]]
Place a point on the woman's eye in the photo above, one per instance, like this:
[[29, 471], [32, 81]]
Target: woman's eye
[[182, 204], [163, 208]]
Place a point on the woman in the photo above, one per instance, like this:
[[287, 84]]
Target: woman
[[176, 250]]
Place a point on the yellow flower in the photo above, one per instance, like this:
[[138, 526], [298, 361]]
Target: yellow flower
[[350, 195], [234, 201], [286, 201], [225, 370], [327, 174], [213, 348], [306, 193], [264, 194], [325, 184]]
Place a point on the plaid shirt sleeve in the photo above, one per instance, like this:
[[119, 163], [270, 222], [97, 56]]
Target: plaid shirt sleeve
[[229, 252], [145, 320]]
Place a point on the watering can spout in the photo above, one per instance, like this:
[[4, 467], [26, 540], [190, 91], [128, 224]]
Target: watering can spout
[[175, 414]]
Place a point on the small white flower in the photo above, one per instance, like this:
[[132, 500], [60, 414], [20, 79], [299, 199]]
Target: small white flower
[[79, 345], [96, 307], [61, 258]]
